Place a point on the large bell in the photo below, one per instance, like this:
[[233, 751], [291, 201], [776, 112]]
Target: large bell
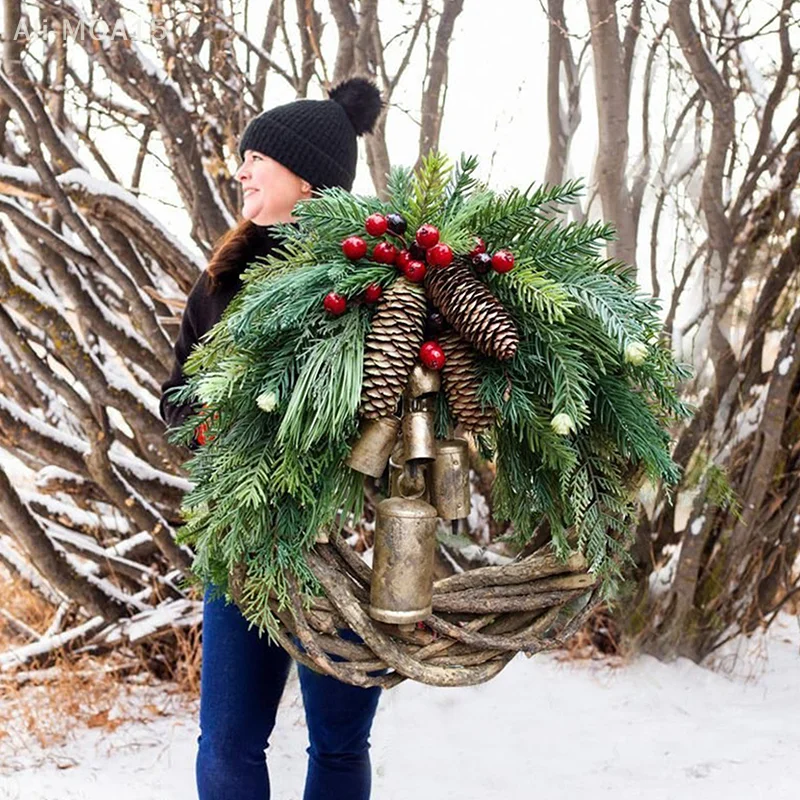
[[401, 590], [371, 451], [449, 479]]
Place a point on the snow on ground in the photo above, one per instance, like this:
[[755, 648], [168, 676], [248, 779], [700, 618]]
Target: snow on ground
[[543, 728]]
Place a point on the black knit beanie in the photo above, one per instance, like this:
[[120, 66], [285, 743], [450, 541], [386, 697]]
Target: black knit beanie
[[316, 139]]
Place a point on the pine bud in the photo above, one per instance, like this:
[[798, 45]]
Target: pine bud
[[636, 353], [267, 401], [562, 424]]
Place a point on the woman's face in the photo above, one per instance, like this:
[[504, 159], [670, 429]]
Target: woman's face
[[270, 189]]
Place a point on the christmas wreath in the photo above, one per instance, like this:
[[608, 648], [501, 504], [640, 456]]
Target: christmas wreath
[[395, 333]]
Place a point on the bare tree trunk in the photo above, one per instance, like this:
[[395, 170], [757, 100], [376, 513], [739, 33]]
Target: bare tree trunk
[[611, 87], [267, 43], [436, 80], [561, 122]]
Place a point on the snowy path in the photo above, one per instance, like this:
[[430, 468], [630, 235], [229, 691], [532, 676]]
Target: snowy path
[[541, 729]]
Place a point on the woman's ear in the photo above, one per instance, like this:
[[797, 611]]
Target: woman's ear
[[305, 188]]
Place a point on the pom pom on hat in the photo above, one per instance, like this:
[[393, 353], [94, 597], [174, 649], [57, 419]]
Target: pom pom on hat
[[361, 100]]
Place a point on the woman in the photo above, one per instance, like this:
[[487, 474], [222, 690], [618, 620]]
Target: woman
[[287, 153]]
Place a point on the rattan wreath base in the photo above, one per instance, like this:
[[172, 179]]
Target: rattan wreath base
[[481, 619]]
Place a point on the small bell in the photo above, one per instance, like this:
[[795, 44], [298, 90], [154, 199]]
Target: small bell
[[419, 436], [449, 479], [401, 590], [372, 449]]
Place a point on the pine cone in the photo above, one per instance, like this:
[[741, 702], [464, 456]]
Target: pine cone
[[461, 383], [470, 307], [392, 347]]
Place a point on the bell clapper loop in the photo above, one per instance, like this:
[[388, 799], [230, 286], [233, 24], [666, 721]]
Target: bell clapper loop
[[411, 484]]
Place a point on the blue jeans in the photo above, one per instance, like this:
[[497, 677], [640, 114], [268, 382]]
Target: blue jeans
[[241, 682]]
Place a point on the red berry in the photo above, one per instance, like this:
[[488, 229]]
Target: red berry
[[427, 235], [354, 247], [432, 355], [440, 255], [373, 292], [376, 224], [415, 271], [335, 303], [402, 260], [503, 261], [480, 247], [384, 253]]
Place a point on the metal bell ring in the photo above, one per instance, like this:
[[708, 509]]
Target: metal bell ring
[[371, 451], [401, 589], [423, 380], [449, 479], [419, 437], [397, 465]]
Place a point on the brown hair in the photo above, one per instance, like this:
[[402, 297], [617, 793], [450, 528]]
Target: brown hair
[[233, 251]]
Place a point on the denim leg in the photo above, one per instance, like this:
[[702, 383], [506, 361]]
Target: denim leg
[[339, 718], [241, 682]]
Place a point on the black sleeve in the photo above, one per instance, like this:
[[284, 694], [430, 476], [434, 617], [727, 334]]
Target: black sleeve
[[188, 335]]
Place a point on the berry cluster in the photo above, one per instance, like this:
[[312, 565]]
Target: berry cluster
[[425, 252], [501, 261]]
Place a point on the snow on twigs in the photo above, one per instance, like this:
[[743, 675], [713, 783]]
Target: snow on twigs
[[99, 187]]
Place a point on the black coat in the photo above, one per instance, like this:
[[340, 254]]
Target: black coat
[[202, 311]]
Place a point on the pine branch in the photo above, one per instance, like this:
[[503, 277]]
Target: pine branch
[[427, 198], [458, 192], [516, 213], [335, 214], [328, 389], [626, 416], [614, 308], [532, 293], [399, 185]]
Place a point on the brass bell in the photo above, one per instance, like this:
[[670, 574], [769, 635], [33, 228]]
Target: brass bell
[[449, 479], [423, 380], [372, 449], [401, 589], [419, 436]]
